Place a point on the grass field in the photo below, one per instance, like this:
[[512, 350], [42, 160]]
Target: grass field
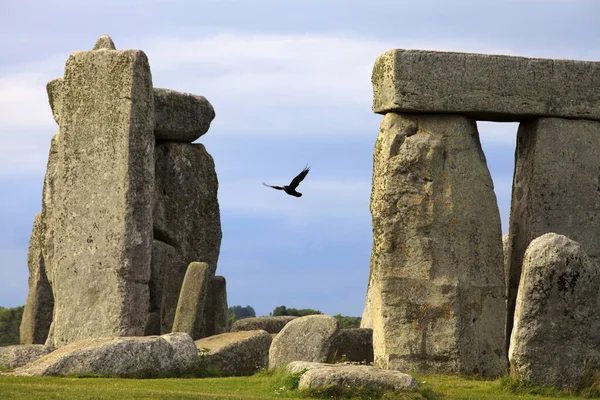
[[264, 385]]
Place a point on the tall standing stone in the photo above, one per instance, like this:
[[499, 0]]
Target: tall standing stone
[[436, 286], [555, 189], [217, 312], [556, 335], [103, 196], [190, 317]]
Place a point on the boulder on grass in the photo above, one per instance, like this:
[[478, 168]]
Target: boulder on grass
[[16, 356], [269, 324]]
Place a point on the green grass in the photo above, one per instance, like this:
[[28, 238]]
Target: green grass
[[266, 385]]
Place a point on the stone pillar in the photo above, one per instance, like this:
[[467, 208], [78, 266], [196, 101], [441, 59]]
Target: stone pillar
[[556, 188], [190, 317], [436, 287], [102, 214], [217, 312]]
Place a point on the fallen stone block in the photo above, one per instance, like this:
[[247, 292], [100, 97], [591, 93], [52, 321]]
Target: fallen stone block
[[19, 355], [269, 324], [485, 87], [181, 117], [236, 353]]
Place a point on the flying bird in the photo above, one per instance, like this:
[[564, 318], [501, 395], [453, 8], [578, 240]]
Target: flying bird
[[291, 188]]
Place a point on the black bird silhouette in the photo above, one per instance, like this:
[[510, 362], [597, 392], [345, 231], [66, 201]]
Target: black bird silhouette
[[291, 188]]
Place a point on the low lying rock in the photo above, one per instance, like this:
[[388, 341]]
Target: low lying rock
[[236, 353], [16, 356], [269, 324], [121, 356], [321, 375], [308, 338], [353, 345]]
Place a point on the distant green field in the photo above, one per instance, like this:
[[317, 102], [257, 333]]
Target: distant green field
[[265, 385]]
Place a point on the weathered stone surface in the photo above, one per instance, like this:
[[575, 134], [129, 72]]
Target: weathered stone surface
[[236, 353], [181, 117], [506, 253], [320, 375], [48, 198], [170, 297], [103, 197], [436, 283], [189, 317], [308, 338], [104, 42], [555, 340], [54, 90], [353, 345], [269, 324], [186, 210], [19, 355], [555, 189], [216, 310], [37, 315], [121, 356], [485, 87]]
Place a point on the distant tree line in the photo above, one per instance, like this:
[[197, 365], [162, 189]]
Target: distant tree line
[[345, 322], [10, 321]]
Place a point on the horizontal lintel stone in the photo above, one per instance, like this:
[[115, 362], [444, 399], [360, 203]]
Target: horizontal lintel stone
[[485, 87]]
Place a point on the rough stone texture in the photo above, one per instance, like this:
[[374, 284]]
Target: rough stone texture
[[37, 315], [436, 285], [186, 211], [555, 189], [353, 345], [320, 375], [485, 87], [17, 356], [104, 42], [555, 340], [181, 117], [121, 356], [54, 90], [308, 338], [189, 317], [269, 324], [103, 197], [506, 253], [216, 310], [237, 353], [48, 198], [170, 297]]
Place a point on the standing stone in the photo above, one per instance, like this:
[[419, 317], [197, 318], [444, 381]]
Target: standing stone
[[48, 199], [103, 197], [216, 310], [555, 189], [506, 253], [37, 315], [54, 91], [436, 286], [555, 340], [164, 257], [189, 317], [186, 211], [170, 295]]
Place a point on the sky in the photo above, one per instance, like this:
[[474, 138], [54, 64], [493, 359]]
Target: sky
[[290, 82]]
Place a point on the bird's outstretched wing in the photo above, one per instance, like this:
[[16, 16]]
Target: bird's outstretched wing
[[274, 187], [296, 181]]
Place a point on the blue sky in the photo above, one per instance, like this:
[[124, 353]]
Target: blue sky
[[290, 84]]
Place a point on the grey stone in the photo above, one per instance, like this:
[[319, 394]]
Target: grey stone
[[104, 42], [308, 338], [353, 345], [17, 356], [54, 90], [269, 324], [216, 310], [555, 189], [189, 317], [170, 296], [186, 208], [120, 357], [48, 198], [102, 212], [318, 375], [181, 117], [436, 282], [555, 340], [37, 315], [485, 87], [236, 353], [506, 253]]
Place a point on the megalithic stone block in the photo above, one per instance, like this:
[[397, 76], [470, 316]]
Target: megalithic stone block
[[103, 196], [555, 189], [437, 283], [170, 295], [37, 315], [189, 317], [48, 198], [216, 310], [181, 117], [485, 87], [54, 90]]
